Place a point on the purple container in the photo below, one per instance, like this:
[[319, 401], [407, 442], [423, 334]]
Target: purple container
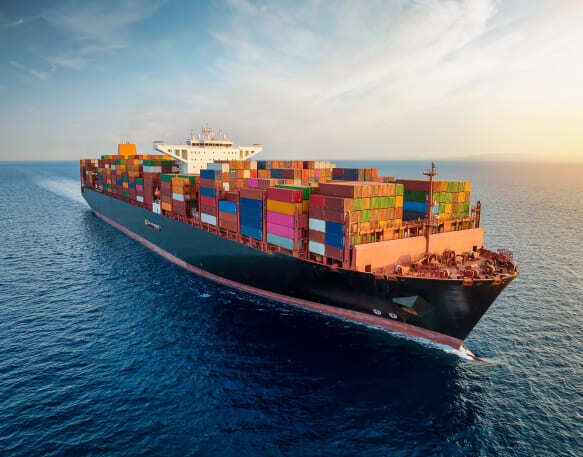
[[281, 219], [253, 182]]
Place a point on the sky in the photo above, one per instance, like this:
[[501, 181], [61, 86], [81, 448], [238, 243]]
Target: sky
[[415, 79]]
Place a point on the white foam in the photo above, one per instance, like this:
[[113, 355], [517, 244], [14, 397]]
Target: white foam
[[67, 188]]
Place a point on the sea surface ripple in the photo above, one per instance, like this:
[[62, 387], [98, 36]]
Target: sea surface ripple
[[108, 349]]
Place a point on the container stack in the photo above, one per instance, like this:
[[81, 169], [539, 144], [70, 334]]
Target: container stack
[[326, 225], [286, 217], [251, 206], [355, 174], [166, 191], [451, 199], [140, 190], [184, 195], [228, 213], [373, 211], [210, 188]]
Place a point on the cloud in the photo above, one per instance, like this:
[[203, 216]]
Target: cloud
[[424, 77], [100, 22], [30, 71], [96, 27]]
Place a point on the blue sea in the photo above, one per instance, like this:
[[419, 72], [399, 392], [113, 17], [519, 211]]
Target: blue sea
[[107, 349]]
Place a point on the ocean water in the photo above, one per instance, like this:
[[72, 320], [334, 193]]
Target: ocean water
[[107, 349]]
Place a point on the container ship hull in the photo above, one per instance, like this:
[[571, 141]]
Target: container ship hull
[[444, 311]]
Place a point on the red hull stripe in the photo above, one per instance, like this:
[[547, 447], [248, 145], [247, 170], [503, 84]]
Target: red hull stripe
[[394, 326]]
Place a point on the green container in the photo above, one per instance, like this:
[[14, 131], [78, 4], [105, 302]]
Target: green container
[[442, 208], [191, 179], [400, 189], [357, 204], [126, 195], [391, 201], [124, 179], [365, 215], [166, 163], [415, 196], [140, 181], [166, 177], [306, 191]]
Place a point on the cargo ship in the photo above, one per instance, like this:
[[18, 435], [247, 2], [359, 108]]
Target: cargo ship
[[404, 255]]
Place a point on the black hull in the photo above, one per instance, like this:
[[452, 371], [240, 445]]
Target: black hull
[[432, 307]]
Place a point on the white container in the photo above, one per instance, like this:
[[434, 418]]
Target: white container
[[178, 197], [316, 248], [317, 224], [222, 167], [226, 186], [156, 208], [140, 198], [208, 219]]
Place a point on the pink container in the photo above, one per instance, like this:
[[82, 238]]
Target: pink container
[[286, 232], [253, 182], [317, 172], [280, 219], [139, 188]]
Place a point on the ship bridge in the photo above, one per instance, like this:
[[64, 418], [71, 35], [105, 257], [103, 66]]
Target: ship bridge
[[204, 148]]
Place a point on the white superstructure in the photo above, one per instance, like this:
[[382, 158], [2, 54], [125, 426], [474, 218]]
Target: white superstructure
[[206, 148]]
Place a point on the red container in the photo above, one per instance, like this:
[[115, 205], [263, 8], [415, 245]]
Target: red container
[[179, 208], [208, 201], [284, 195], [334, 216], [253, 194], [227, 217], [334, 253], [208, 210], [317, 213], [319, 237], [231, 226], [339, 204], [345, 190], [231, 196], [208, 183], [415, 184], [317, 200]]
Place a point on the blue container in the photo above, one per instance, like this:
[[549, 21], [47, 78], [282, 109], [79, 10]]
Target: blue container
[[210, 174], [334, 240], [132, 185], [228, 207], [276, 173], [252, 232], [280, 241], [208, 191], [335, 228], [251, 219], [248, 203], [418, 207]]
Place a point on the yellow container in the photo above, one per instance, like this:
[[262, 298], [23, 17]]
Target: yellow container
[[468, 186], [448, 208], [366, 203], [285, 207], [399, 201], [166, 206]]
